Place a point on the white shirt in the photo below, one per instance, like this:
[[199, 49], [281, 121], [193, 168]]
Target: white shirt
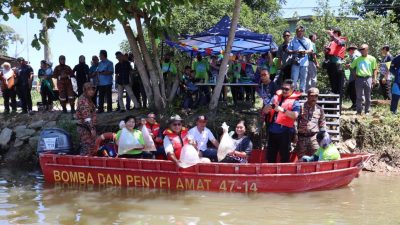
[[168, 148], [202, 138]]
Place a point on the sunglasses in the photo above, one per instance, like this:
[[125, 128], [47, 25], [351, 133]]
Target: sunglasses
[[176, 124], [286, 35], [285, 89], [361, 49], [264, 74]]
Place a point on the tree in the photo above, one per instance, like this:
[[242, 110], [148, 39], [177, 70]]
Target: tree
[[7, 37], [224, 65], [379, 7], [101, 16]]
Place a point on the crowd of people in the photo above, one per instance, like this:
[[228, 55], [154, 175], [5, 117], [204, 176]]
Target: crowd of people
[[281, 77], [65, 84], [297, 58]]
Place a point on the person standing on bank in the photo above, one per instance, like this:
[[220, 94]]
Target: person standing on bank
[[384, 77], [311, 120], [63, 74], [313, 65], [283, 112], [105, 72], [86, 116], [93, 77], [366, 74], [24, 84], [351, 89], [122, 72], [300, 47], [7, 80], [395, 70], [45, 75], [170, 73], [334, 53], [81, 71], [282, 56]]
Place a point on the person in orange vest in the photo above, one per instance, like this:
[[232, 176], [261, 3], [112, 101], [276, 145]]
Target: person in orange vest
[[175, 138], [154, 130], [334, 53], [63, 74], [282, 114]]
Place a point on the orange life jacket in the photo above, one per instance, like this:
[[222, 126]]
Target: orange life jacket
[[177, 141], [287, 104], [336, 49], [154, 129]]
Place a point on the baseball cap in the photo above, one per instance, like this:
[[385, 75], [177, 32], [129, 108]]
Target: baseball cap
[[201, 118], [313, 91]]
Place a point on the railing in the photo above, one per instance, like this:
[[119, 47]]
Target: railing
[[331, 105]]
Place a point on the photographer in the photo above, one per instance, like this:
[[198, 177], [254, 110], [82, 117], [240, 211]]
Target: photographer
[[299, 48]]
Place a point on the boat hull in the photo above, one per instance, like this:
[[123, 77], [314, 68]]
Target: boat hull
[[219, 177]]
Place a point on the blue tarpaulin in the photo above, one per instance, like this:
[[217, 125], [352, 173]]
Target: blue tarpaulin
[[213, 40]]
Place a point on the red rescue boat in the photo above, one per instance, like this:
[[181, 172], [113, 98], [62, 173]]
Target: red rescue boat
[[218, 177]]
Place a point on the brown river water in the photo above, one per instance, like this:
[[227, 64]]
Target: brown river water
[[26, 199]]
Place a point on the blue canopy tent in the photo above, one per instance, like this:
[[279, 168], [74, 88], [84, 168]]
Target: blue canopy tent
[[213, 40]]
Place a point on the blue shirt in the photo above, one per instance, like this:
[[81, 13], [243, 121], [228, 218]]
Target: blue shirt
[[267, 91], [277, 128], [105, 65], [295, 45]]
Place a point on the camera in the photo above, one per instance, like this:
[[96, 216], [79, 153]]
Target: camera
[[296, 61]]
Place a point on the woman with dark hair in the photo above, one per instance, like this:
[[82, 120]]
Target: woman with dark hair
[[243, 145], [130, 139], [46, 85]]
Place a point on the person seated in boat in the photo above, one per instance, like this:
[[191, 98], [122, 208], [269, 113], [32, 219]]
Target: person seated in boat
[[327, 151], [202, 135], [242, 143], [154, 130], [175, 137], [129, 139]]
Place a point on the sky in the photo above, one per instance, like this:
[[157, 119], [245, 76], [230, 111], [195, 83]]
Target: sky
[[63, 42]]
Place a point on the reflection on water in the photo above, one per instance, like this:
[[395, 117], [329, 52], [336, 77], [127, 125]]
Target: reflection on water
[[26, 199]]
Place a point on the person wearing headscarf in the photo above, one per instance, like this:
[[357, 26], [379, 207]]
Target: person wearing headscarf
[[86, 116]]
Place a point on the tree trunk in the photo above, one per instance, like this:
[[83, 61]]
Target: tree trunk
[[155, 56], [46, 45], [138, 61], [223, 69], [158, 98]]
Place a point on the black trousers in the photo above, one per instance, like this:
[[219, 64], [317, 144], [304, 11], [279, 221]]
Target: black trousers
[[47, 96], [10, 94], [386, 90], [335, 74], [286, 73], [139, 92], [105, 91], [351, 90], [279, 143], [24, 94]]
